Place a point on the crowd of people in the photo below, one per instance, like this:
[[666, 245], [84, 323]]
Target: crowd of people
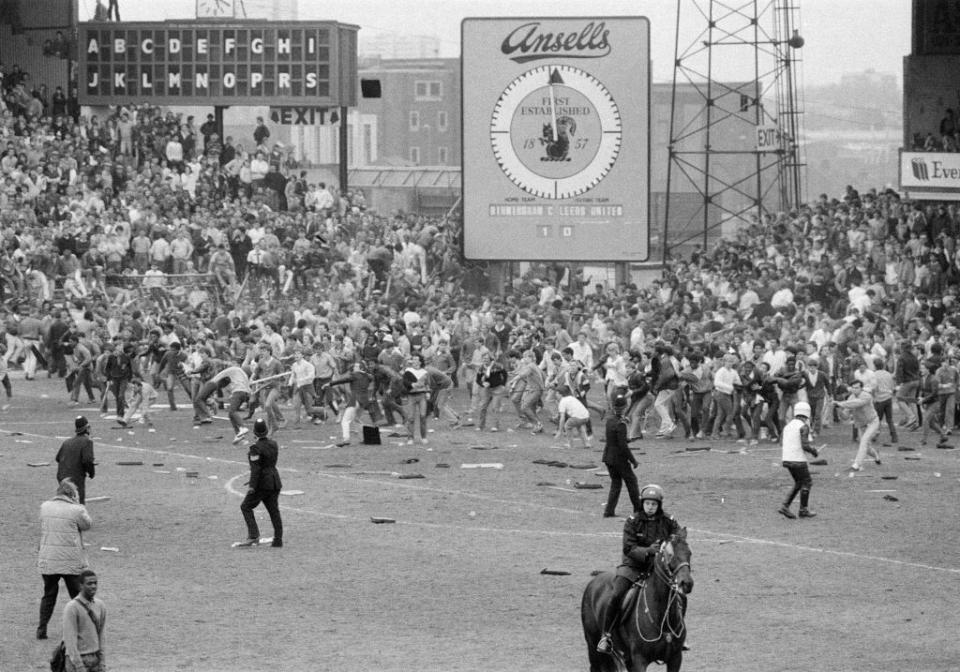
[[343, 311]]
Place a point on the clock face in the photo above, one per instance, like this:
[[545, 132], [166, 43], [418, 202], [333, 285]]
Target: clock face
[[214, 8], [556, 131]]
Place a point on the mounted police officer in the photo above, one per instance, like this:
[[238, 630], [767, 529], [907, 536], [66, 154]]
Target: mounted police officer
[[643, 533], [264, 486]]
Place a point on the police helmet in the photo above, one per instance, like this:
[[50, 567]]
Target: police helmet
[[260, 427], [652, 491], [81, 425], [801, 408], [619, 403]]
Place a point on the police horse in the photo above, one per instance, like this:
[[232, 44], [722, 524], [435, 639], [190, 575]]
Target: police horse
[[651, 626]]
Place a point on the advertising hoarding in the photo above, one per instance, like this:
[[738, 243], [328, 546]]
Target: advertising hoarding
[[556, 138]]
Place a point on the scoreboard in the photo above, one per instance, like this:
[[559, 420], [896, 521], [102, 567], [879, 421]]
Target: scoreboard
[[238, 62]]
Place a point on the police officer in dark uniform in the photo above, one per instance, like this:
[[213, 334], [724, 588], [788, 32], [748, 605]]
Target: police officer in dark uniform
[[264, 486], [75, 457], [643, 533], [619, 460]]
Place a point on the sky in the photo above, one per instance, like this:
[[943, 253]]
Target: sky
[[842, 36]]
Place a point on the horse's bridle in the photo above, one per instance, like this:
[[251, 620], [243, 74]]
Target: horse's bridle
[[669, 576]]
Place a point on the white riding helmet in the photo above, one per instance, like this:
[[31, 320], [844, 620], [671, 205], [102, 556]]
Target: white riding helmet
[[802, 408]]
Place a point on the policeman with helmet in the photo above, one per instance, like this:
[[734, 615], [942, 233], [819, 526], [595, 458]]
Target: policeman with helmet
[[643, 533], [264, 486]]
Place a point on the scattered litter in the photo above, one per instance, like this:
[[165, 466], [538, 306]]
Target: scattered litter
[[131, 433], [484, 447], [326, 447], [101, 498], [905, 449], [211, 439], [430, 431], [697, 449], [410, 460], [291, 493], [377, 520], [192, 474], [472, 514], [889, 478], [23, 441], [881, 490], [110, 549], [911, 457], [554, 572], [945, 446], [373, 473], [557, 487], [14, 433], [130, 463], [441, 465], [545, 483], [588, 465], [725, 541], [212, 478], [512, 445], [597, 572], [552, 463], [581, 485], [38, 464], [180, 469], [891, 498], [819, 463], [602, 474], [337, 466], [405, 477], [483, 465], [160, 471], [936, 474]]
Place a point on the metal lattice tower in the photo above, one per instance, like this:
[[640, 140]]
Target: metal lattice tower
[[736, 76]]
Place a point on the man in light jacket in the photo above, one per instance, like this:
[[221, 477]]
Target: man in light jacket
[[61, 556]]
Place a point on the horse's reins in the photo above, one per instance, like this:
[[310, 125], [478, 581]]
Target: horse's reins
[[670, 578]]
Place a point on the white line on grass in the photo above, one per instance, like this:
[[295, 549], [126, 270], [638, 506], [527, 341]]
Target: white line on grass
[[380, 483]]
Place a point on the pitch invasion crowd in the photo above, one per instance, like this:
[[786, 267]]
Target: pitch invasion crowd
[[347, 312]]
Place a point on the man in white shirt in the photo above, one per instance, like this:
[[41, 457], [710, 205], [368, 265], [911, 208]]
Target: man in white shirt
[[583, 351], [160, 252], [302, 374], [154, 277], [235, 382], [775, 356], [724, 381], [574, 416], [273, 339]]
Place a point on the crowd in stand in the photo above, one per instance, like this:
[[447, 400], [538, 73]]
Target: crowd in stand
[[345, 311]]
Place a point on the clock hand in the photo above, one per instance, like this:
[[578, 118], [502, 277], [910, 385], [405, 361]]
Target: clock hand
[[553, 113]]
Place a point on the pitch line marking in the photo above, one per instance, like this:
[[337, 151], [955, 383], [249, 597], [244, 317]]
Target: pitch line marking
[[736, 537]]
